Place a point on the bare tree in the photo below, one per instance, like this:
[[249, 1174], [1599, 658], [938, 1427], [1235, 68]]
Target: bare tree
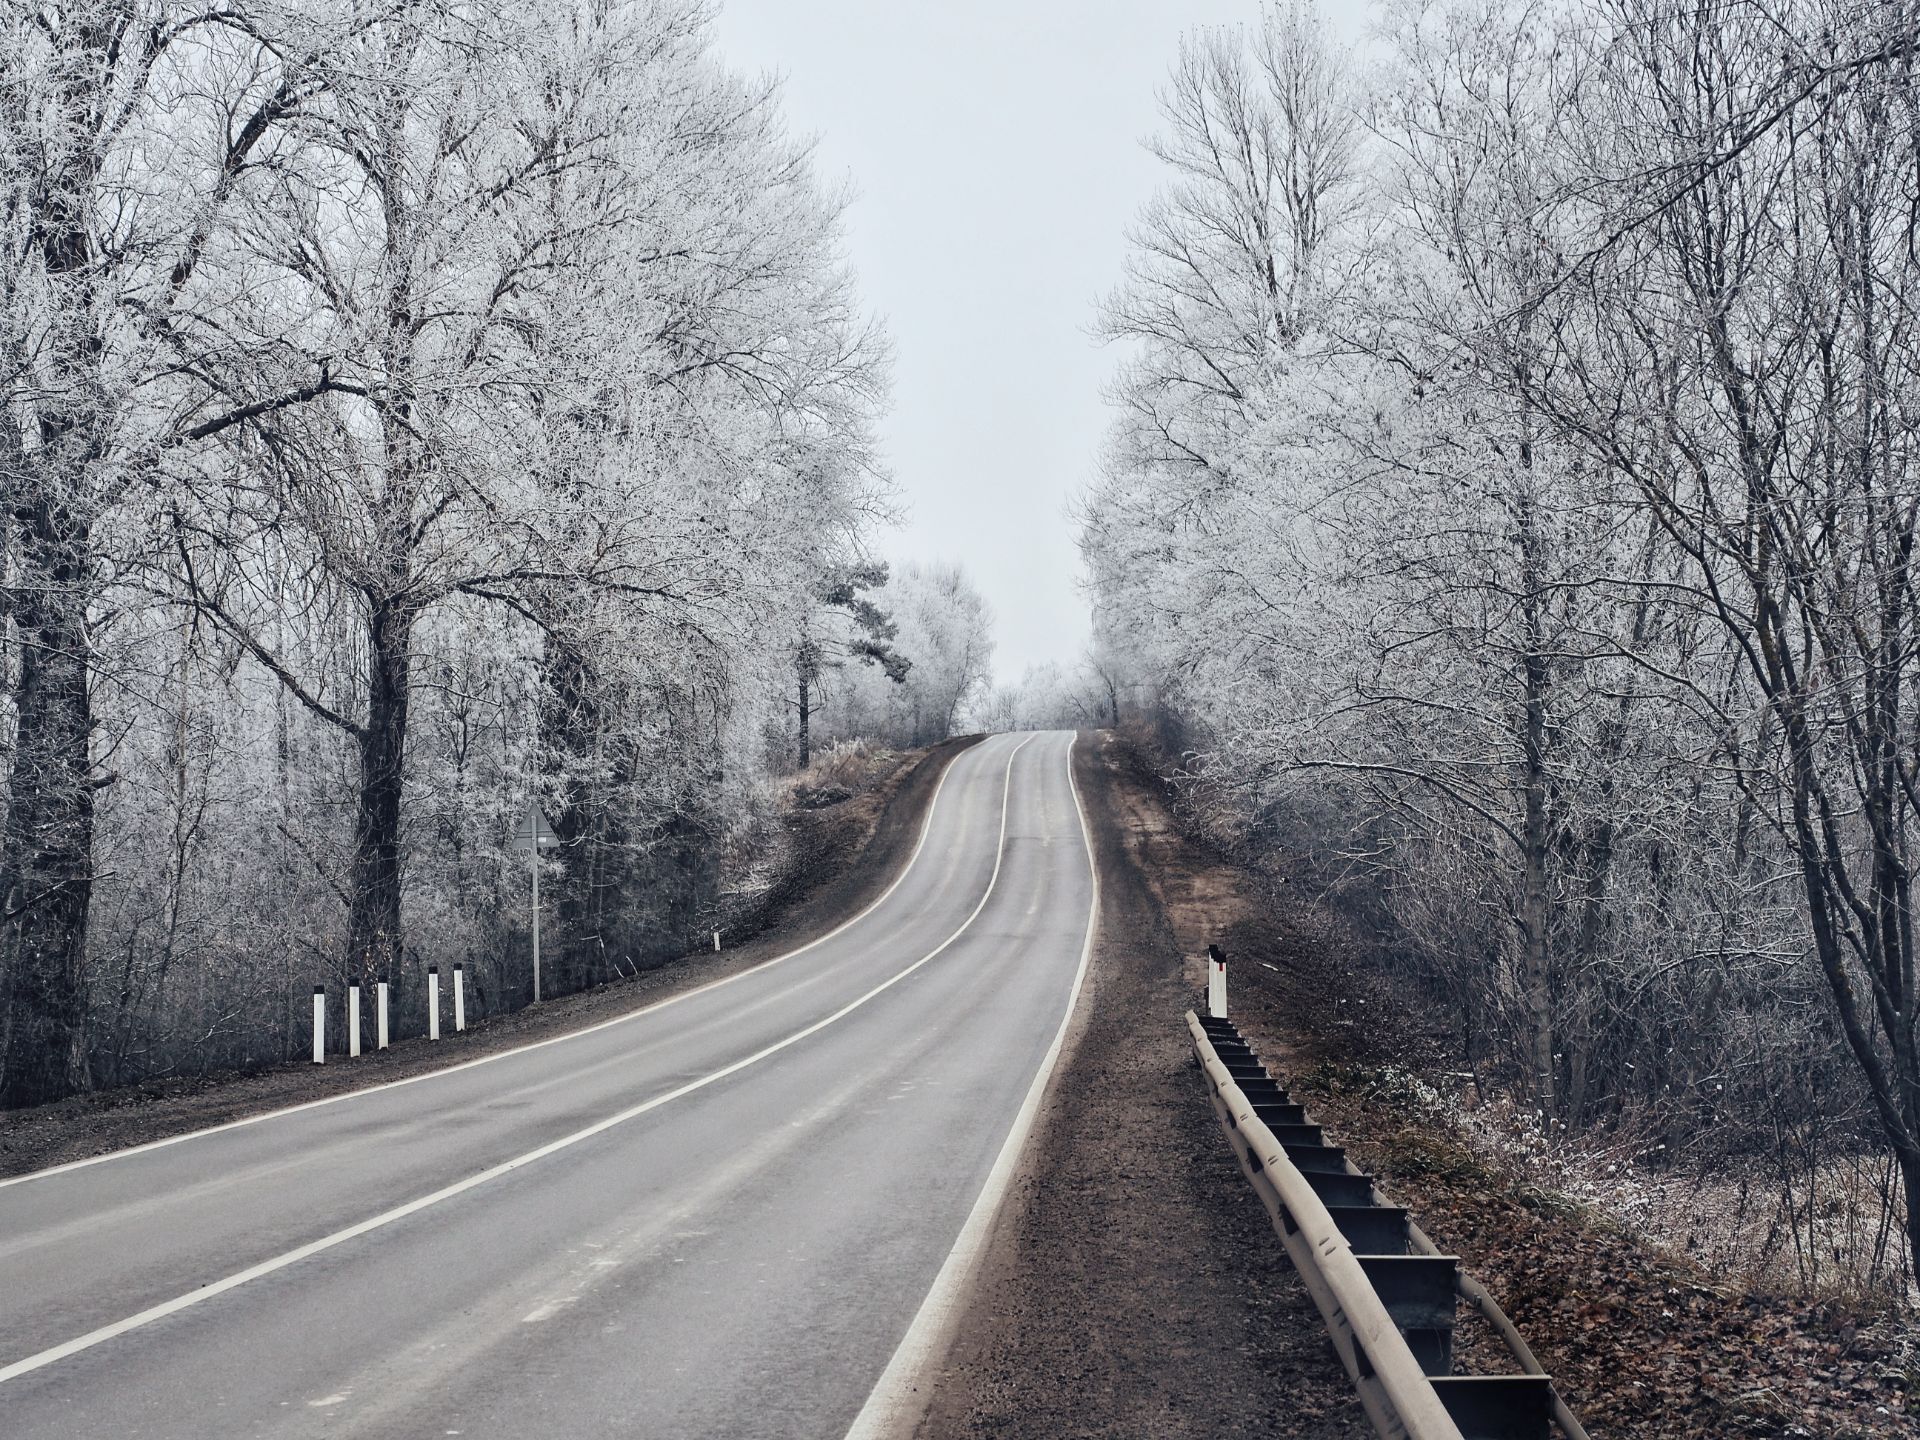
[[1744, 355], [374, 378], [1551, 572], [107, 316]]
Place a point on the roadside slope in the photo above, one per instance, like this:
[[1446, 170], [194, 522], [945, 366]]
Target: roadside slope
[[845, 857]]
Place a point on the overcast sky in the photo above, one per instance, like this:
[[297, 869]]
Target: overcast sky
[[996, 151]]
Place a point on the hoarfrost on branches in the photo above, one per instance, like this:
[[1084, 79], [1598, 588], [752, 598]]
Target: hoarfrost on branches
[[1509, 507], [414, 414]]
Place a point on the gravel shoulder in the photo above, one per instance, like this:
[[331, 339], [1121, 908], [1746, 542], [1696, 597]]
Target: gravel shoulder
[[843, 857], [1134, 1287]]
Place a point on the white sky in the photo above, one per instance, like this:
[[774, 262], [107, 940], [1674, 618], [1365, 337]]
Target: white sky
[[995, 148]]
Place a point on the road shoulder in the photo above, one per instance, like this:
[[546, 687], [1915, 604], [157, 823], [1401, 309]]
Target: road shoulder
[[1131, 1285]]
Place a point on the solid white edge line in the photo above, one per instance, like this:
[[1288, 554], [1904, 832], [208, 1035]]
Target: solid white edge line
[[926, 828], [459, 1187], [896, 1404]]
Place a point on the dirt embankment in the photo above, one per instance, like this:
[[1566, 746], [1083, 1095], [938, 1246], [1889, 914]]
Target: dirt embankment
[[1134, 1286], [843, 856]]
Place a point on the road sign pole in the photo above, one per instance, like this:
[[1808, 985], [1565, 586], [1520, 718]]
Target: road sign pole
[[533, 834]]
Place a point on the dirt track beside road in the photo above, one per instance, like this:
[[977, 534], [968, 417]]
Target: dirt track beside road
[[1133, 1285]]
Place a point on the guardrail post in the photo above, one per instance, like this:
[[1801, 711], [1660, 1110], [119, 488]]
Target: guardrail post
[[1400, 1399], [1216, 983], [459, 996], [380, 1005], [319, 1024], [353, 1020], [433, 1002]]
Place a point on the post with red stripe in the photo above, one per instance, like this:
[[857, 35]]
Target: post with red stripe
[[1216, 982], [319, 1024], [433, 1002]]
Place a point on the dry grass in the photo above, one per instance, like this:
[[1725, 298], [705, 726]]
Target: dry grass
[[838, 772]]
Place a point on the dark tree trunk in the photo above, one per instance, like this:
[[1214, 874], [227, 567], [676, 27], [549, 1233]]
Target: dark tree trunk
[[1910, 1180], [46, 867], [1536, 904], [591, 895], [806, 711], [373, 916], [693, 879]]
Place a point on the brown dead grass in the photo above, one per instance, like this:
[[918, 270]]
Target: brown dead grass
[[1642, 1343]]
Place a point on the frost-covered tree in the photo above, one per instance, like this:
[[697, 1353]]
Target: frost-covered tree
[[944, 628], [844, 624], [130, 135], [464, 414], [1547, 572]]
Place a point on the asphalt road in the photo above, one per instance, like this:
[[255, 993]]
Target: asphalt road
[[718, 1217]]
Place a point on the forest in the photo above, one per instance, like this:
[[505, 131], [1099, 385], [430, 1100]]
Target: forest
[[415, 413], [418, 413], [1507, 528]]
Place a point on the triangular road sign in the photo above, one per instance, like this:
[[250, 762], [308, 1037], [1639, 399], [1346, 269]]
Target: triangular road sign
[[533, 829]]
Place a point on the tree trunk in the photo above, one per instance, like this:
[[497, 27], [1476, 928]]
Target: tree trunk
[[806, 752], [1535, 836], [1534, 909], [373, 917], [1910, 1179], [46, 874], [46, 866], [595, 772]]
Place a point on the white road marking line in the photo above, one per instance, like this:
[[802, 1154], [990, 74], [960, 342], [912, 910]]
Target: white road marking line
[[926, 828], [895, 1406], [460, 1187]]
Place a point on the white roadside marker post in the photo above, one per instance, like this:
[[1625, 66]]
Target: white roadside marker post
[[380, 1005], [433, 1002], [459, 996], [716, 942], [353, 1020], [535, 835], [1216, 983], [319, 1024]]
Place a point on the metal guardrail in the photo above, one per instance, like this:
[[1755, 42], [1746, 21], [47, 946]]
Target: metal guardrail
[[1385, 1290]]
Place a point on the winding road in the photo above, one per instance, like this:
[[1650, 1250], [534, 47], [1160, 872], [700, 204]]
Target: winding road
[[721, 1215]]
